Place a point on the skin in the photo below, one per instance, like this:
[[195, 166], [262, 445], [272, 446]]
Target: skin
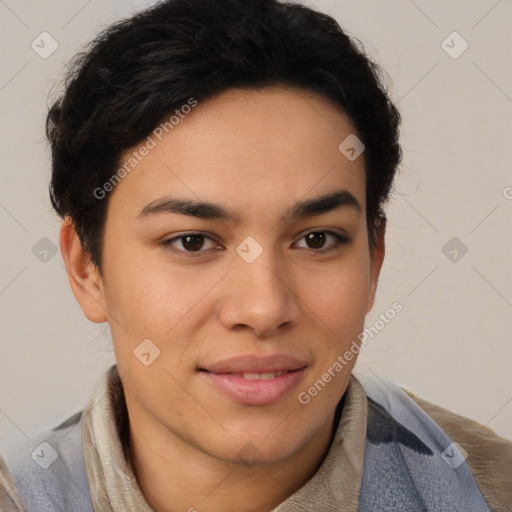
[[257, 153]]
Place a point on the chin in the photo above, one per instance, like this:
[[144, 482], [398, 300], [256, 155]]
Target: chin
[[258, 452], [258, 446]]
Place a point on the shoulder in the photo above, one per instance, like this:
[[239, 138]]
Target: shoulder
[[489, 455], [9, 498], [37, 473]]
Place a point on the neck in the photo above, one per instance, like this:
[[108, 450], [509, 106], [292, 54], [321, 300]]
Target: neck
[[201, 481]]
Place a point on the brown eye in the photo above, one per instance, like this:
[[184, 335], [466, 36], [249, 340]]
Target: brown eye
[[192, 242], [315, 240], [189, 244]]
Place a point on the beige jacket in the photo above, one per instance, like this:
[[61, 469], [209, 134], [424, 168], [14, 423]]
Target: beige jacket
[[114, 487]]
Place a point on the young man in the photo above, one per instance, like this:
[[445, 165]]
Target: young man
[[221, 169]]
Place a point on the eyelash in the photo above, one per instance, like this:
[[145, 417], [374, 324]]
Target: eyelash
[[339, 240]]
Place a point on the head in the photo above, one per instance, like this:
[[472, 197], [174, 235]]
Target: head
[[209, 206]]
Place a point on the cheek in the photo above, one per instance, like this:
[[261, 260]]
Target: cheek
[[152, 298], [338, 295]]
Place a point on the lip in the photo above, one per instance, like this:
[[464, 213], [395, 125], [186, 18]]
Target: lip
[[256, 364], [226, 377]]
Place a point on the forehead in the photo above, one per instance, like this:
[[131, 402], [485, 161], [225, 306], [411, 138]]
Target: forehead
[[253, 149]]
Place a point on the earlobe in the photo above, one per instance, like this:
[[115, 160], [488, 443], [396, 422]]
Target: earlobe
[[376, 260], [84, 277]]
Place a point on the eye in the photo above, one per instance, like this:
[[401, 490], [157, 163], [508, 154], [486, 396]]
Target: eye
[[316, 240], [190, 243], [193, 244]]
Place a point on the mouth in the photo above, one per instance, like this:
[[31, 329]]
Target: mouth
[[255, 380], [260, 376]]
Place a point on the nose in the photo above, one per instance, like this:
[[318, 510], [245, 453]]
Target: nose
[[259, 297]]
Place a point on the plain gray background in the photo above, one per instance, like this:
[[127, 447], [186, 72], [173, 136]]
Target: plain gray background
[[451, 344]]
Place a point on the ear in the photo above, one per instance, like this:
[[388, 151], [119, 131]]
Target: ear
[[84, 276], [376, 259]]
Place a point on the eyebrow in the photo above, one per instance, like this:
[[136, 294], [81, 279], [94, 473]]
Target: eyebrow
[[206, 210]]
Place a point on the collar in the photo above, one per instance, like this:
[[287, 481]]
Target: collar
[[114, 487]]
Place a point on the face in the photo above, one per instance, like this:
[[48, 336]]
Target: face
[[238, 246]]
